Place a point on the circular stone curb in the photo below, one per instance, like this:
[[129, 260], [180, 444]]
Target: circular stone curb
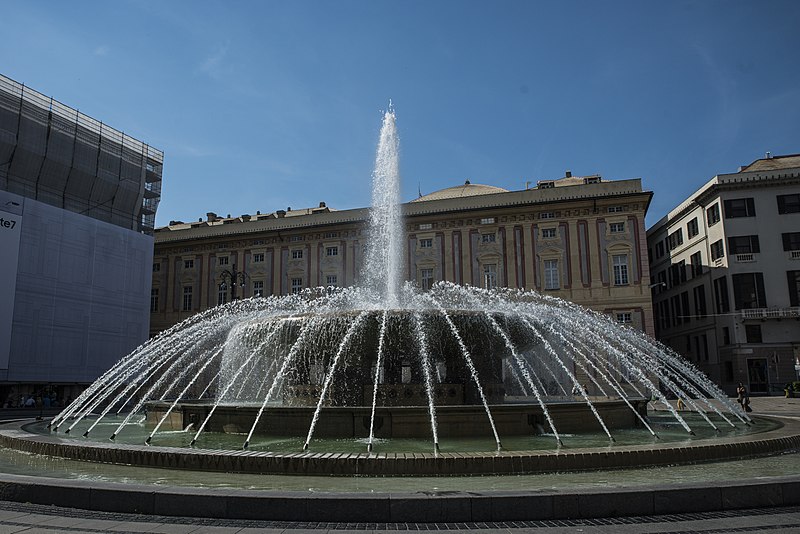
[[784, 438], [420, 507]]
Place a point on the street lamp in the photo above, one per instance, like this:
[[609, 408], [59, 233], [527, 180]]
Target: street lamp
[[232, 278]]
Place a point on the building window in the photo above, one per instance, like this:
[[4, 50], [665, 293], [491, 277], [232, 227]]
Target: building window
[[692, 228], [331, 251], [331, 280], [624, 318], [620, 262], [187, 298], [745, 244], [712, 214], [659, 249], [223, 260], [728, 371], [487, 220], [700, 301], [188, 264], [793, 278], [675, 239], [488, 238], [297, 254], [753, 333], [425, 226], [156, 267], [617, 228], [295, 238], [297, 285], [717, 250], [154, 300], [791, 241], [548, 233], [677, 273], [258, 288], [740, 207], [614, 209], [258, 257], [789, 203], [726, 337], [721, 295], [748, 291], [547, 215], [687, 316], [664, 313], [330, 235], [222, 294], [677, 312], [696, 261], [426, 243], [551, 279], [490, 276], [426, 278]]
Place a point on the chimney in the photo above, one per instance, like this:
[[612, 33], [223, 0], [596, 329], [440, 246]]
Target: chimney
[[322, 205], [211, 216], [280, 214], [569, 174], [769, 155]]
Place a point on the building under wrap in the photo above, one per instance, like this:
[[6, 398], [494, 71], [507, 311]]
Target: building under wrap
[[77, 209]]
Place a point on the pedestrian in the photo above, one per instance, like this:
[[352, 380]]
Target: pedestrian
[[746, 401], [741, 391]]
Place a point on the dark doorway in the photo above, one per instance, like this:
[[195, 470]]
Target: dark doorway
[[757, 373]]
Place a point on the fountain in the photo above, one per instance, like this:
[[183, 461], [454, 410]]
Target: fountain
[[386, 366]]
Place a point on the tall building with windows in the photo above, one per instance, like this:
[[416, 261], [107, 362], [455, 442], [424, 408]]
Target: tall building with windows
[[77, 209], [725, 266], [579, 238]]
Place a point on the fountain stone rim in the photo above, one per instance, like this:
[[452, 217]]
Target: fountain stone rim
[[783, 438]]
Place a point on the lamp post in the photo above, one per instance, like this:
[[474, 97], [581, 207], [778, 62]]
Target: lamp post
[[232, 278]]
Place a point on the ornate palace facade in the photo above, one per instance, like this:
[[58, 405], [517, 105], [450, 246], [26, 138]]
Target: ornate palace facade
[[578, 238]]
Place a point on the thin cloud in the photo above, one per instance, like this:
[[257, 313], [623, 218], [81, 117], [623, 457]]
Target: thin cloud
[[194, 151], [214, 64], [102, 50]]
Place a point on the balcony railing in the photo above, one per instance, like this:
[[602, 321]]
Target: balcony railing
[[771, 313], [745, 258]]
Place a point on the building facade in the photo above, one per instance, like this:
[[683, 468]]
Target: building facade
[[579, 238], [725, 266], [77, 210]]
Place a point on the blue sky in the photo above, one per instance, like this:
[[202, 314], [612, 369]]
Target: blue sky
[[265, 105]]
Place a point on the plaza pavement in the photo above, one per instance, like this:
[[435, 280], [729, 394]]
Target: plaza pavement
[[33, 518]]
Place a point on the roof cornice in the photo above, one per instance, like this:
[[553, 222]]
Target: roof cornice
[[527, 197]]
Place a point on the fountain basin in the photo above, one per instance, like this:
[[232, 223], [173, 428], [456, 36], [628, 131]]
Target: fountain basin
[[784, 436], [398, 421]]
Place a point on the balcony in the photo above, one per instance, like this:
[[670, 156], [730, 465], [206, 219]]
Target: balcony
[[745, 258], [770, 313]]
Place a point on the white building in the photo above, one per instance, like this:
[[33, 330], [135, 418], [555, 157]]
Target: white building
[[725, 270], [77, 207]]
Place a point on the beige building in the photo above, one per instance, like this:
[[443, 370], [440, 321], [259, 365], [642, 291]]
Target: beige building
[[726, 270], [579, 238]]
